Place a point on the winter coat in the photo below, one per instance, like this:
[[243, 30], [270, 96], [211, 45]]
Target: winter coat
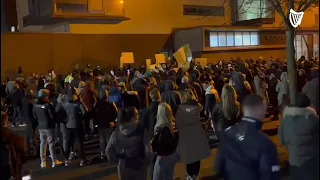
[[311, 89], [299, 132], [193, 146], [170, 96], [245, 153], [112, 153], [238, 84], [282, 87], [89, 97]]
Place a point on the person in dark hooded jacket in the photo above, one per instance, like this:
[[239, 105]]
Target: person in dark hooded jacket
[[75, 110], [44, 113], [27, 110], [238, 84], [198, 89], [130, 98], [170, 96], [104, 116]]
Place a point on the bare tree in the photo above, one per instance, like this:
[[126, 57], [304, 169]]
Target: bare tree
[[282, 7]]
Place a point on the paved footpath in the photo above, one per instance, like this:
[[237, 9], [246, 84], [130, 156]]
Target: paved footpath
[[105, 171]]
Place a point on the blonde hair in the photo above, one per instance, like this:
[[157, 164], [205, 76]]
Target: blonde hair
[[165, 116], [230, 105]]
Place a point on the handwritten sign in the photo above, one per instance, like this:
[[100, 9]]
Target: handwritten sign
[[160, 59], [148, 63], [127, 57]]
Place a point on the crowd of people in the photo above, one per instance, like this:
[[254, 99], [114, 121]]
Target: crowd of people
[[147, 121]]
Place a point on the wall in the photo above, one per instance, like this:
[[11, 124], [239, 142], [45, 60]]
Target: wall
[[155, 17], [309, 20], [214, 57], [41, 52]]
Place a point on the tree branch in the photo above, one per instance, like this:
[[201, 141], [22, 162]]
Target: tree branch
[[307, 5], [277, 7], [301, 5]]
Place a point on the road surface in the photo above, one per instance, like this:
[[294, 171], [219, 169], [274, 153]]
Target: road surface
[[105, 171]]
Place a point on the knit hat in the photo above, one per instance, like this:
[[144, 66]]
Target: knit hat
[[302, 100]]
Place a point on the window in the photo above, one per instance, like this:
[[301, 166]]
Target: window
[[222, 39], [213, 39], [254, 40], [246, 38], [192, 10], [228, 39], [238, 39]]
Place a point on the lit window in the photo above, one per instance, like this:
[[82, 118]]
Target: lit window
[[246, 38], [222, 39], [213, 39], [238, 38], [254, 39], [230, 39]]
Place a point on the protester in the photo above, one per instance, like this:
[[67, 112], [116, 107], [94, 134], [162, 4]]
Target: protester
[[227, 111], [27, 109], [164, 144], [245, 152], [104, 117], [75, 110], [44, 113], [11, 146], [192, 147], [170, 96], [129, 147], [282, 87], [299, 133]]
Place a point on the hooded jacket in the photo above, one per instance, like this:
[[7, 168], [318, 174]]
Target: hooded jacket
[[127, 130], [238, 84], [299, 132], [282, 87], [170, 96], [44, 113], [311, 89], [74, 111]]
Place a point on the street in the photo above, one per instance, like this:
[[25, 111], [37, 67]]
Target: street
[[100, 171]]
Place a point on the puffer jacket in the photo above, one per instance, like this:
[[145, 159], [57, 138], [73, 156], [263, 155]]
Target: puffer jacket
[[44, 113], [75, 112], [299, 132]]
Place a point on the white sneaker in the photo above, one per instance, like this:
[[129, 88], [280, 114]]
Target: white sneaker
[[22, 125], [189, 178], [43, 165], [57, 162], [66, 163]]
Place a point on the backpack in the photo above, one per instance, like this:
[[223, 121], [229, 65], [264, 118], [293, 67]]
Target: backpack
[[11, 165], [116, 99], [131, 148]]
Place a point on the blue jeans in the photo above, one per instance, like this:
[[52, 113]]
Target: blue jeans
[[47, 137], [164, 167]]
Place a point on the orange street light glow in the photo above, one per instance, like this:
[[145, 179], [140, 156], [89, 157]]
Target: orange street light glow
[[121, 2]]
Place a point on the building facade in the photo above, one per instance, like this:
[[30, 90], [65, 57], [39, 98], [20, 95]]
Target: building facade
[[216, 29]]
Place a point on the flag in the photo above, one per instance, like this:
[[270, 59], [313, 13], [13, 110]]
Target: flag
[[183, 56]]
